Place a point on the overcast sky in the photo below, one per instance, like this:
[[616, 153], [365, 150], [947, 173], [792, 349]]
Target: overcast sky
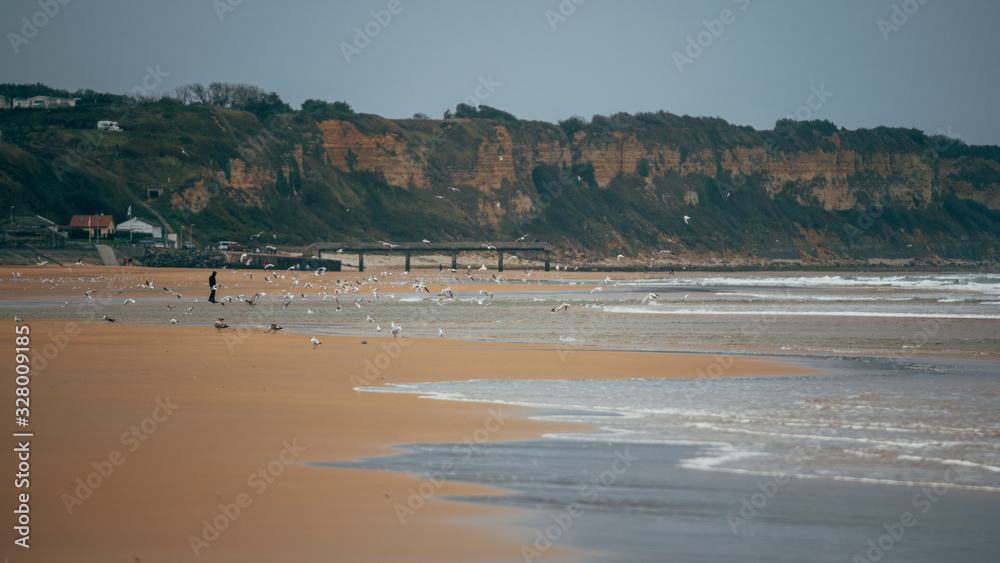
[[929, 64]]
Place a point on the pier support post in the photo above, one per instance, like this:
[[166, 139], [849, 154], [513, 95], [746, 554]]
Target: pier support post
[[546, 261], [361, 262], [407, 261], [454, 260], [499, 260]]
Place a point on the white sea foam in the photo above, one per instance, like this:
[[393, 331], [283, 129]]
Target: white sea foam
[[634, 309]]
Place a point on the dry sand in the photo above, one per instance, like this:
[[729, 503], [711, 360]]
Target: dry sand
[[248, 411]]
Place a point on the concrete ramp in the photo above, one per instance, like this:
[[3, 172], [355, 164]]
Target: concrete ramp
[[108, 255]]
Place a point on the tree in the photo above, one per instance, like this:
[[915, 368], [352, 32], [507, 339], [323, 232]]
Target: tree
[[642, 167], [421, 115], [572, 125], [324, 111]]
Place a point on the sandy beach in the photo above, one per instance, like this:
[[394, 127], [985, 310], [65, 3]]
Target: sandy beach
[[171, 443]]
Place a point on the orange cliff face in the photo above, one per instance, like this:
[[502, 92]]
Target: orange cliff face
[[827, 179]]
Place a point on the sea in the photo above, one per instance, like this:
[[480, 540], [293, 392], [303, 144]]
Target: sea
[[892, 453]]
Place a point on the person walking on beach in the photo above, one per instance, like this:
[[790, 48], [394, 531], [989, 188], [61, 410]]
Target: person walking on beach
[[211, 284]]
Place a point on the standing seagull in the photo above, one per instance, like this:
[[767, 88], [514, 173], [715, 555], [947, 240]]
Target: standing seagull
[[395, 330], [315, 342], [220, 324]]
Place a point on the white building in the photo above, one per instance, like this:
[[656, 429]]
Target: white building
[[44, 102], [4, 102], [108, 126], [140, 225]]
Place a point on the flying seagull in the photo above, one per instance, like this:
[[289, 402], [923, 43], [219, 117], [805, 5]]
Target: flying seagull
[[562, 307], [686, 219]]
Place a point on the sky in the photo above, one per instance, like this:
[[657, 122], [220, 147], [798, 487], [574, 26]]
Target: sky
[[928, 64]]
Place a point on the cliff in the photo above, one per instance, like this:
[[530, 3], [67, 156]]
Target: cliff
[[803, 191]]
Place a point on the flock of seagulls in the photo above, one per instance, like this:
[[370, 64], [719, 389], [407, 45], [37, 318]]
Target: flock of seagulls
[[339, 288]]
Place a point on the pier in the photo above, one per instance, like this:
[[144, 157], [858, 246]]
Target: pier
[[409, 249]]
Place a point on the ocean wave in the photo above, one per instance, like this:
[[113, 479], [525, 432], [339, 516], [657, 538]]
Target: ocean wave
[[635, 309]]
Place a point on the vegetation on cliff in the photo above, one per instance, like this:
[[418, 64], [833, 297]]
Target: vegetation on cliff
[[232, 161]]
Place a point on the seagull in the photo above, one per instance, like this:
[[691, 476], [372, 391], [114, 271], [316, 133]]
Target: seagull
[[184, 152], [453, 188], [596, 289], [107, 318], [686, 219], [20, 320], [620, 256], [486, 293], [127, 301], [378, 328], [275, 327], [220, 324], [662, 251], [39, 261], [562, 307], [483, 267], [370, 319], [521, 238], [188, 310], [425, 241], [395, 330], [488, 247], [88, 292], [266, 266], [650, 297], [63, 306], [79, 262], [173, 321], [257, 235], [440, 333], [315, 342], [501, 157]]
